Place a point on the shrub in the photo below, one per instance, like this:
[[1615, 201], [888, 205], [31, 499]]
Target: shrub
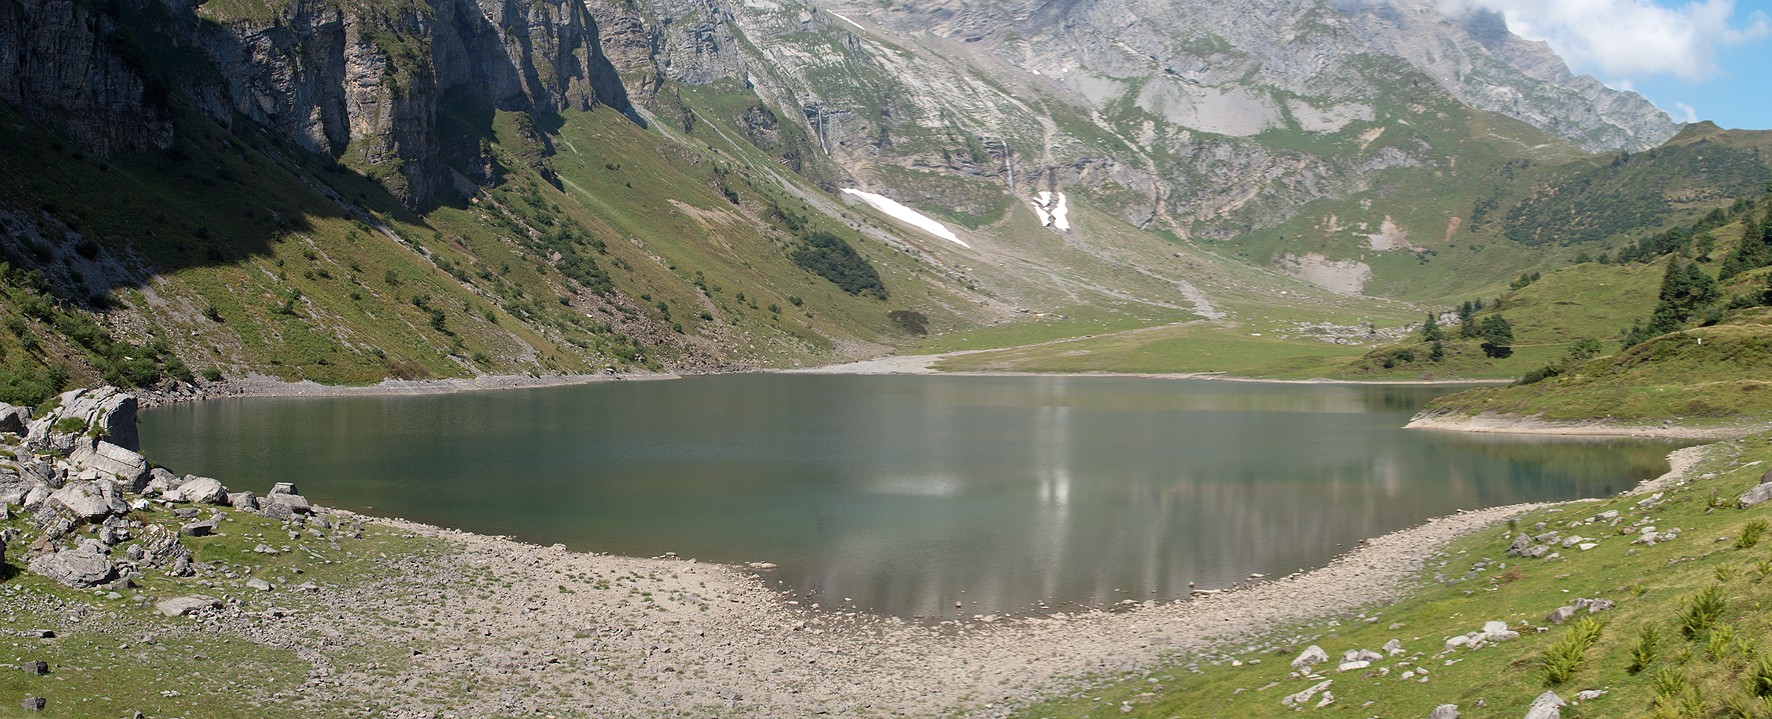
[[1565, 656], [1642, 654], [1750, 534], [830, 257], [212, 374], [1701, 611]]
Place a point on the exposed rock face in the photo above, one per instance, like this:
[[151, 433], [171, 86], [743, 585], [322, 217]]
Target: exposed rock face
[[333, 80], [64, 67], [1484, 65]]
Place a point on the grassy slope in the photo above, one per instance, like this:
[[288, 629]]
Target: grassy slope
[[1648, 583]]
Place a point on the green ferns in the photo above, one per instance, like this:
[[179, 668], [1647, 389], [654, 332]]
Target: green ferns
[[1565, 656]]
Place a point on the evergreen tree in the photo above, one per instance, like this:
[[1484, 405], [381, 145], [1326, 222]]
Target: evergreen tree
[[1430, 330], [1438, 352], [1498, 337]]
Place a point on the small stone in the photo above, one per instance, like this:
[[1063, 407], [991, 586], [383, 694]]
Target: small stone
[[34, 704], [1311, 656], [179, 606], [1589, 695], [1560, 615], [38, 667], [1444, 711]]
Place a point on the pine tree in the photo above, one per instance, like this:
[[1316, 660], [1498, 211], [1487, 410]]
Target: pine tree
[[1430, 330], [1437, 352], [1498, 336]]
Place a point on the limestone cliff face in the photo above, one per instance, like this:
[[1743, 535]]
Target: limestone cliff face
[[65, 66], [364, 83]]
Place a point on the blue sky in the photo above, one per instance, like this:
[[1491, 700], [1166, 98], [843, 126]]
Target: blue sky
[[1703, 59]]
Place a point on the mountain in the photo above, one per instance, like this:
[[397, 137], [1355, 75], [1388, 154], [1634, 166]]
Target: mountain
[[349, 190]]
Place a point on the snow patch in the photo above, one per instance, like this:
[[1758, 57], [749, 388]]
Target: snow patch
[[907, 215], [1053, 212], [857, 25]]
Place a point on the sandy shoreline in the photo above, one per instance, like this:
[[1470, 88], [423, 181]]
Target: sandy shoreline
[[924, 365]]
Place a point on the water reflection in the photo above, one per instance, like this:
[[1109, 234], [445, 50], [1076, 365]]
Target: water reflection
[[907, 494]]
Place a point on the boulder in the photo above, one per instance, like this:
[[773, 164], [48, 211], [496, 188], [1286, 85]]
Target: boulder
[[284, 488], [203, 490], [180, 606], [1393, 647], [1589, 695], [1758, 494], [1560, 615], [33, 704], [16, 420], [38, 667], [111, 460], [243, 501], [1498, 632], [1444, 711], [1593, 605], [259, 584], [1352, 666], [1456, 642], [198, 529], [283, 506], [1311, 656], [1521, 542], [89, 500], [160, 480], [109, 410], [82, 567], [14, 489], [1547, 706]]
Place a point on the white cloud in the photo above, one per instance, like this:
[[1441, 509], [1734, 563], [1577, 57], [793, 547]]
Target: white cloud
[[1622, 38], [1687, 113]]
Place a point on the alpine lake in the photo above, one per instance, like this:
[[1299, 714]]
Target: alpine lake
[[906, 494]]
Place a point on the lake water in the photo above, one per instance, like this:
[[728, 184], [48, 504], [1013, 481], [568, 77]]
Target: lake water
[[904, 494]]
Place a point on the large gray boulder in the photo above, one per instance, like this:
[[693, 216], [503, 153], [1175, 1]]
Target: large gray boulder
[[1444, 711], [1547, 706], [109, 410], [14, 489], [283, 506], [81, 567], [111, 460], [203, 490], [90, 501], [16, 420], [1760, 493]]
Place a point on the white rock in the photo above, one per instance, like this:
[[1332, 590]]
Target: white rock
[[1547, 706], [1311, 656], [1351, 666], [1444, 711]]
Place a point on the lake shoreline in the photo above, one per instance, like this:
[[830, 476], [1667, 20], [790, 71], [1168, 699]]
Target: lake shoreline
[[692, 636], [263, 386], [1495, 423]]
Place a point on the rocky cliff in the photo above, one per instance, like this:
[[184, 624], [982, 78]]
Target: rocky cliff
[[363, 83]]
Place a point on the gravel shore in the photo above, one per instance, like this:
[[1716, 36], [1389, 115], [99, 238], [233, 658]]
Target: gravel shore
[[542, 629], [1493, 423]]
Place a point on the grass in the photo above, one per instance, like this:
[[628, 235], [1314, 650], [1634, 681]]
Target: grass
[[1642, 657], [1179, 349]]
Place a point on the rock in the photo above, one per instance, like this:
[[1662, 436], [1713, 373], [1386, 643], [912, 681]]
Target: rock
[[203, 490], [1311, 656], [1593, 605], [1444, 711], [1547, 706], [284, 503], [160, 480], [37, 667], [1589, 695], [198, 529], [1521, 542], [1352, 666], [259, 584], [283, 488], [81, 567], [108, 410], [1536, 551], [111, 460], [180, 606], [16, 420], [1758, 494], [34, 704], [1605, 516], [1456, 642], [1393, 647], [1298, 699], [1587, 545], [1560, 615], [88, 500], [243, 501], [1498, 632]]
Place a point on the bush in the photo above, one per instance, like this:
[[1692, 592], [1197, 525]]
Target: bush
[[912, 322], [1643, 653], [1565, 656], [830, 257], [1750, 534], [212, 375], [1701, 611]]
